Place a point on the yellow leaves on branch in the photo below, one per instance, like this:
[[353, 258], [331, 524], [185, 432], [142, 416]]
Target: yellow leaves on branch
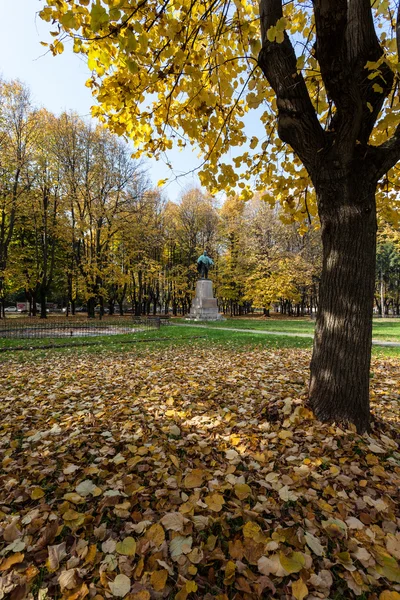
[[276, 32], [178, 74]]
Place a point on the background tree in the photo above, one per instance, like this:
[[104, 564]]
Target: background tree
[[388, 271], [18, 131]]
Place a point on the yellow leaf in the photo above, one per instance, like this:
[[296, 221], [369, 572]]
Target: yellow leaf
[[242, 490], [37, 493], [155, 534], [158, 579], [182, 594], [271, 33], [191, 586], [11, 560], [71, 515], [293, 563], [127, 547], [299, 589], [229, 572], [281, 24], [194, 479], [91, 555], [387, 595], [174, 460], [253, 142], [251, 529], [214, 502], [388, 567], [73, 519], [74, 498]]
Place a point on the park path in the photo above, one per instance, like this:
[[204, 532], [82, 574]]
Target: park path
[[285, 333]]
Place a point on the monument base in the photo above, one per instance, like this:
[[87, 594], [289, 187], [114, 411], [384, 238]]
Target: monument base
[[204, 307]]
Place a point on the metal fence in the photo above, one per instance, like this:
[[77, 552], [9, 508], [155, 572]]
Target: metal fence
[[56, 327]]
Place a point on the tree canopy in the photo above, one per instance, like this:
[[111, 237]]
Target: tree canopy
[[178, 73]]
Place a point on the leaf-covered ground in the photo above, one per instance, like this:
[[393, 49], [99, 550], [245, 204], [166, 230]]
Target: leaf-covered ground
[[200, 474]]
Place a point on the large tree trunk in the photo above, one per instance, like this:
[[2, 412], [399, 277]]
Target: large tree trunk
[[339, 382]]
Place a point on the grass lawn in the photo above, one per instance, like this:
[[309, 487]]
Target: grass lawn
[[383, 329], [191, 468], [165, 337]]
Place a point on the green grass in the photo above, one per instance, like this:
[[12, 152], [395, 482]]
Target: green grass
[[166, 337], [383, 329]]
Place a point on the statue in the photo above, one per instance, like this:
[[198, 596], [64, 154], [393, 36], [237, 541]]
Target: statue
[[203, 264]]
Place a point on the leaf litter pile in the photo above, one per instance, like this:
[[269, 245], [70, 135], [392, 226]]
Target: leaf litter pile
[[193, 474]]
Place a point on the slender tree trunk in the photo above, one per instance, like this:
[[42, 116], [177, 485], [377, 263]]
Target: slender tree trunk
[[339, 383], [43, 311], [2, 297], [382, 293]]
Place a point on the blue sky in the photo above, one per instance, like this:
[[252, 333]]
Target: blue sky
[[58, 83]]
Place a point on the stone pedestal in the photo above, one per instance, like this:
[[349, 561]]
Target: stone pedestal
[[204, 307]]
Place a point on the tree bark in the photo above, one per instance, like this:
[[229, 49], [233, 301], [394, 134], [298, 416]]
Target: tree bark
[[91, 304], [382, 291], [339, 381]]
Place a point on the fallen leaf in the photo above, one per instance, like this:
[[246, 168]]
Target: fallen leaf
[[215, 502], [313, 543], [242, 491], [299, 589], [155, 534], [292, 563], [11, 560], [174, 521], [37, 493], [194, 479], [127, 547], [158, 580], [180, 545], [120, 586]]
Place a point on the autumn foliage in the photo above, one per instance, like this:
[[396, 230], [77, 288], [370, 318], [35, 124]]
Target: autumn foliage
[[199, 475]]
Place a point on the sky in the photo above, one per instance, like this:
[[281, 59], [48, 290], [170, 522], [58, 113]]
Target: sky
[[58, 83]]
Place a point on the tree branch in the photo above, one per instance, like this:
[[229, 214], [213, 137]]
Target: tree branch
[[398, 32], [363, 46], [384, 157], [332, 53], [298, 124]]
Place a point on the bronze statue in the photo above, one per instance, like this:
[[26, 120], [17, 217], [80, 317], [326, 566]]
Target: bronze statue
[[203, 264]]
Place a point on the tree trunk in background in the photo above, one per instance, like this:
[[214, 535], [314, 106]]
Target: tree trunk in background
[[43, 311], [339, 382], [382, 290], [91, 305]]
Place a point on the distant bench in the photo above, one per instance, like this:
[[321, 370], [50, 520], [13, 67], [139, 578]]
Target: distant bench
[[164, 319]]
